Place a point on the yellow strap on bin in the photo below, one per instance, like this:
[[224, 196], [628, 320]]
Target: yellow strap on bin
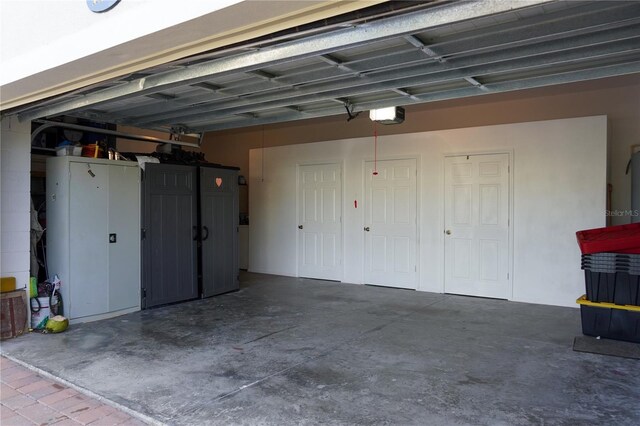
[[582, 300]]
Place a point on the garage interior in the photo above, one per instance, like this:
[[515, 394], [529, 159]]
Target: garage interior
[[552, 88]]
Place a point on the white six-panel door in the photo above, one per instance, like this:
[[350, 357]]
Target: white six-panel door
[[477, 225], [390, 229], [320, 221]]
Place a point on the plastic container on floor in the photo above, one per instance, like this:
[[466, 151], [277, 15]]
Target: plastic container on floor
[[41, 311], [618, 239], [610, 321]]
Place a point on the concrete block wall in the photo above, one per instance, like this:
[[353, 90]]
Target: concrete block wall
[[15, 183]]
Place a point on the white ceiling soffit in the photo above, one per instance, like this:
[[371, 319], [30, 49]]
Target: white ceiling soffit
[[443, 51]]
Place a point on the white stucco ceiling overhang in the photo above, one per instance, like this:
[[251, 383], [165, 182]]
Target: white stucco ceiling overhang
[[79, 57]]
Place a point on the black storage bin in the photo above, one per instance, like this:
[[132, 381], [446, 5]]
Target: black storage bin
[[611, 260], [609, 321], [619, 263], [620, 288], [609, 256]]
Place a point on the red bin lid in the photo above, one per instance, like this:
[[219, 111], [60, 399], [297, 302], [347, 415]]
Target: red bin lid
[[614, 239]]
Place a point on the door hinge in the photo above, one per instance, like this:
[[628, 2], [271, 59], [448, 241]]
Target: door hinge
[[144, 293], [143, 233], [507, 275], [415, 268]]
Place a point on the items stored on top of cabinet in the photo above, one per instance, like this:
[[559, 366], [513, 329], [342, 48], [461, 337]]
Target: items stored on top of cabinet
[[92, 132], [93, 222], [189, 224], [69, 136]]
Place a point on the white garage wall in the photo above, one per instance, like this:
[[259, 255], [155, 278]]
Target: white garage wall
[[559, 183]]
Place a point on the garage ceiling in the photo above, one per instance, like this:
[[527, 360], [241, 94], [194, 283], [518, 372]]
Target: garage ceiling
[[426, 52]]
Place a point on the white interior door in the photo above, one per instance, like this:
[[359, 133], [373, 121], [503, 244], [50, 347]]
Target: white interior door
[[477, 225], [320, 221], [390, 229]]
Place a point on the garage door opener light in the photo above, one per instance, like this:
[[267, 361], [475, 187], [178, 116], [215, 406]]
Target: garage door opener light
[[390, 115]]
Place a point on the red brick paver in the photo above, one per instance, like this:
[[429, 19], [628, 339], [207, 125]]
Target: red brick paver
[[29, 399]]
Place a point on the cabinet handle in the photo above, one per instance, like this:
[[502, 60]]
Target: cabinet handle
[[366, 228], [300, 226], [207, 233]]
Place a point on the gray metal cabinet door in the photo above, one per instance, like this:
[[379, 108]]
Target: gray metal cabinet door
[[219, 220], [169, 247], [88, 241], [124, 245]]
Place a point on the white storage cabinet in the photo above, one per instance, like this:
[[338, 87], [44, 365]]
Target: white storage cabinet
[[93, 235]]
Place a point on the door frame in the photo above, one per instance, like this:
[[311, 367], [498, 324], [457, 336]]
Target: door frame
[[363, 189], [510, 157], [340, 163]]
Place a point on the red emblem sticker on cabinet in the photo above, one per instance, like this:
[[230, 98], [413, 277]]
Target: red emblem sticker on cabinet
[[218, 182]]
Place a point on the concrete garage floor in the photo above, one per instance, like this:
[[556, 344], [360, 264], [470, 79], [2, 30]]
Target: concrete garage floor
[[294, 351]]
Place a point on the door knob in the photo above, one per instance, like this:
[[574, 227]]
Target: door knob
[[300, 226], [366, 228], [448, 232]]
